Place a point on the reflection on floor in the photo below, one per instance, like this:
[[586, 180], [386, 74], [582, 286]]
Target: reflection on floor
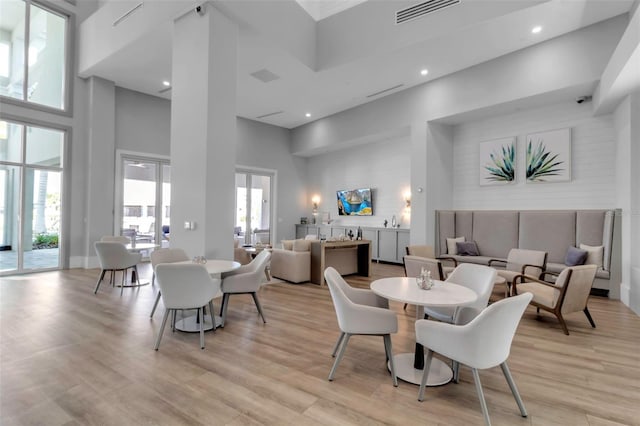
[[34, 259]]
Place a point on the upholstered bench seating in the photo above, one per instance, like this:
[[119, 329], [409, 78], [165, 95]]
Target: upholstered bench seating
[[495, 232]]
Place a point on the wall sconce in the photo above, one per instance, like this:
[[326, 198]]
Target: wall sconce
[[315, 200], [407, 199]]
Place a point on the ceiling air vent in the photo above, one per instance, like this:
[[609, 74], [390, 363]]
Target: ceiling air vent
[[385, 91], [421, 9], [270, 114], [264, 75]]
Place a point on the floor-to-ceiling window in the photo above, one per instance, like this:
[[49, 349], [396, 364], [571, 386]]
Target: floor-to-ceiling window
[[34, 74], [253, 211], [145, 199], [33, 54], [31, 172]]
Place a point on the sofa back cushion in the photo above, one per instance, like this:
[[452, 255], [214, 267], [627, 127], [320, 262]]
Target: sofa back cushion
[[495, 232], [301, 245], [287, 244], [550, 231]]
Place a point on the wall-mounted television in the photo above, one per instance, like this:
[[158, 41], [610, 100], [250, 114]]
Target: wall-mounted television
[[355, 202]]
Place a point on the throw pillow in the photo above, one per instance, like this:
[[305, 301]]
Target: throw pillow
[[575, 256], [595, 254], [301, 245], [287, 244], [451, 244], [469, 248]]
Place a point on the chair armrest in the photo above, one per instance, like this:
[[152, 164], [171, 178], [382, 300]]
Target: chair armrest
[[490, 261], [529, 278], [555, 274], [529, 265], [448, 258]]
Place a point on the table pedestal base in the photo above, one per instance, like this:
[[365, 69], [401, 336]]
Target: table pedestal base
[[439, 373], [191, 324]]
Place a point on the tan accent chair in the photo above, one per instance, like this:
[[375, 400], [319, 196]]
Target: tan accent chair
[[422, 251], [240, 254], [520, 261], [568, 294]]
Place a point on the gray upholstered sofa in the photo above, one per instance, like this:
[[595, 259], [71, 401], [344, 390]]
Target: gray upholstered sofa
[[554, 231]]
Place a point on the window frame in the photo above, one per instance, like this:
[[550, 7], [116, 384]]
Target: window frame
[[69, 58]]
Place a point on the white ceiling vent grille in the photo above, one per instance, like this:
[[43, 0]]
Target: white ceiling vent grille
[[421, 9], [270, 114], [264, 75]]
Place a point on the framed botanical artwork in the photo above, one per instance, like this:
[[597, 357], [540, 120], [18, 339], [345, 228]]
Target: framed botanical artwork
[[498, 161], [548, 156]]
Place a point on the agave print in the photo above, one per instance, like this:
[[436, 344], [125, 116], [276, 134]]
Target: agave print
[[502, 166], [541, 163]]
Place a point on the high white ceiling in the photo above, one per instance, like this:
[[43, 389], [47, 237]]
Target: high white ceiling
[[361, 51]]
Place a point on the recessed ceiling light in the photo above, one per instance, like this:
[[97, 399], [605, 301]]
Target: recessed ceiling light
[[536, 29], [424, 72], [308, 115], [166, 83]]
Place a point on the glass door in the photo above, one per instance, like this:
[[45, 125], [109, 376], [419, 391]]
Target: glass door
[[253, 207], [31, 176], [145, 199]]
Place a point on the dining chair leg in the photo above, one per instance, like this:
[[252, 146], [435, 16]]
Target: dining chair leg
[[135, 269], [213, 317], [257, 302], [337, 345], [99, 281], [514, 389], [425, 375], [483, 403], [155, 305], [123, 281], [389, 349], [201, 313], [164, 321], [174, 312], [339, 357], [112, 279], [586, 312], [223, 310]]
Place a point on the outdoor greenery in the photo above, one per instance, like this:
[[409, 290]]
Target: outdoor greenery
[[503, 167], [42, 241], [541, 163]]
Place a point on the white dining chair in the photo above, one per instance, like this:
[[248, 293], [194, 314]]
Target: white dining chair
[[247, 279], [484, 342], [186, 286], [360, 313], [164, 255], [114, 256], [478, 278]]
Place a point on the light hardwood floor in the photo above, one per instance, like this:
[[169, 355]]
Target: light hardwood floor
[[69, 357]]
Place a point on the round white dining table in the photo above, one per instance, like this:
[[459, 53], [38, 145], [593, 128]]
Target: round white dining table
[[215, 268], [137, 248], [409, 366]]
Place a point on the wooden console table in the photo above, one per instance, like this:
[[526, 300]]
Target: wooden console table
[[318, 257]]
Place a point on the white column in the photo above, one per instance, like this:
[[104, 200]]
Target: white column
[[203, 133], [100, 164]]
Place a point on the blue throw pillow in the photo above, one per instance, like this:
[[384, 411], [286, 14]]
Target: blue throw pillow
[[575, 256], [467, 248]]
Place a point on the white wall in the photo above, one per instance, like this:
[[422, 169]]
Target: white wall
[[382, 166], [593, 165], [143, 122], [264, 146]]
